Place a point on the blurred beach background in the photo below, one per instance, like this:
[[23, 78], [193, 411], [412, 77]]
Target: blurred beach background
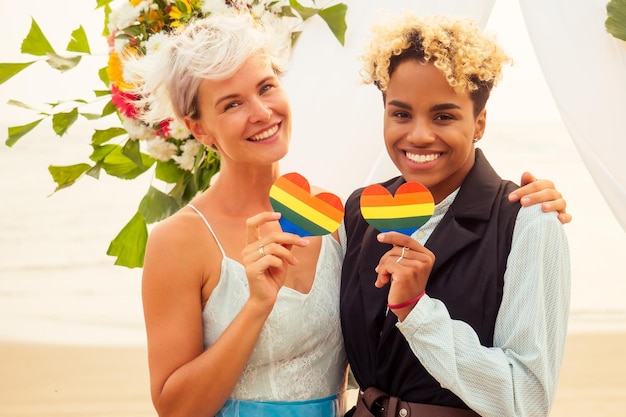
[[72, 341]]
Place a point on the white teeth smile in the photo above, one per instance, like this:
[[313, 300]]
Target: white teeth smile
[[266, 134], [420, 159]]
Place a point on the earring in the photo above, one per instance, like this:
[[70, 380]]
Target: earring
[[476, 140]]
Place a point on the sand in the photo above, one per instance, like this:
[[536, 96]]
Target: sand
[[61, 381]]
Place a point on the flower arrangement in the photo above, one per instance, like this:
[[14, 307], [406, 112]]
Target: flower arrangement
[[128, 148]]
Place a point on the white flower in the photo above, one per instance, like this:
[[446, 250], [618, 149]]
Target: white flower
[[137, 130], [190, 150], [155, 42], [191, 146], [123, 16], [178, 130], [215, 6], [161, 149], [258, 9]]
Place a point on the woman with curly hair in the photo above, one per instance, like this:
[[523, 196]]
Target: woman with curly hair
[[468, 316]]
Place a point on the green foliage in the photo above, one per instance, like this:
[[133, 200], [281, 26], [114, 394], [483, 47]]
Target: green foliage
[[8, 70], [334, 16], [35, 42], [67, 175], [616, 18], [129, 245]]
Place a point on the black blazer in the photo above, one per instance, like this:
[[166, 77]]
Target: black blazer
[[471, 245]]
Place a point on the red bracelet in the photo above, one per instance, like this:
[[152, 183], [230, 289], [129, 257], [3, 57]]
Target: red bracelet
[[406, 303]]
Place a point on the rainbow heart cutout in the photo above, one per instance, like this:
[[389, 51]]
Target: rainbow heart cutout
[[303, 214], [405, 212]]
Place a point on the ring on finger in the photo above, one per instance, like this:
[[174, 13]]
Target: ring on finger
[[402, 254], [261, 250]]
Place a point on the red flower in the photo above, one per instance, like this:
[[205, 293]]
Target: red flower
[[164, 128], [124, 102]]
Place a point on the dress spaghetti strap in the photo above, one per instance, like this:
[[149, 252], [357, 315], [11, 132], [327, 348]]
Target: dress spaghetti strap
[[219, 245]]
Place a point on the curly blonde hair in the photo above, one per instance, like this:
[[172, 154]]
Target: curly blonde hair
[[471, 61]]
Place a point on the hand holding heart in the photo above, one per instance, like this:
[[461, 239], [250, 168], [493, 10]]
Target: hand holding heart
[[407, 272], [266, 258]]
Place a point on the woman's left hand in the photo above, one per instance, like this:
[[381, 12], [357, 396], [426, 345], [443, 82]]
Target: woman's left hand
[[534, 191]]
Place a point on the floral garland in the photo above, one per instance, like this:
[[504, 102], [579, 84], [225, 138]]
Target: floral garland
[[132, 147]]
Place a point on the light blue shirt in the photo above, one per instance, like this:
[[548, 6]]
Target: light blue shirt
[[519, 375]]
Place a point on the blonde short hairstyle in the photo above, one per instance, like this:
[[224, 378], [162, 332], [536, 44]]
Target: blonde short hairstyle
[[470, 60], [214, 47]]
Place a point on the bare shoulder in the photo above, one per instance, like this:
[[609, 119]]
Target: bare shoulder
[[174, 245]]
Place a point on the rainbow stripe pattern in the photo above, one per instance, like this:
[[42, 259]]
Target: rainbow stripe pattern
[[411, 207], [303, 214]]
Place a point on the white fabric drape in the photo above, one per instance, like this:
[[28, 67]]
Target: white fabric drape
[[585, 69], [338, 122]]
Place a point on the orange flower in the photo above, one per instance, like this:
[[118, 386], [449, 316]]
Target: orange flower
[[115, 71]]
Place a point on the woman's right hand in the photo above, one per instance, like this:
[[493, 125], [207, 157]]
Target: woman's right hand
[[266, 258]]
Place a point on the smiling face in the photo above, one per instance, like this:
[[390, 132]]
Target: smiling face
[[247, 116], [429, 128]]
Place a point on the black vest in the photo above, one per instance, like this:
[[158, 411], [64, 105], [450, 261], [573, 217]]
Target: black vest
[[471, 245]]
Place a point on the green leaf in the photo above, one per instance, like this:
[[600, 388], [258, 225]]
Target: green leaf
[[156, 206], [116, 164], [102, 93], [109, 108], [91, 116], [94, 171], [616, 18], [129, 246], [102, 136], [286, 11], [168, 171], [180, 189], [295, 35], [35, 42], [304, 12], [132, 151], [16, 132], [65, 176], [79, 42], [104, 76], [107, 12], [62, 63], [205, 168], [61, 122], [335, 18], [20, 104], [8, 70]]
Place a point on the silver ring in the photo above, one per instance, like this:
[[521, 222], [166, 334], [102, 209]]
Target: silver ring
[[261, 251], [404, 248]]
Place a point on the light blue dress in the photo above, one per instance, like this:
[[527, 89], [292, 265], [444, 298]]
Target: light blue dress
[[299, 366]]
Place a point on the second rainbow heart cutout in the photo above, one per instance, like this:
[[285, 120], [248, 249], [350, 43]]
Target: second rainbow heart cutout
[[407, 211], [302, 213]]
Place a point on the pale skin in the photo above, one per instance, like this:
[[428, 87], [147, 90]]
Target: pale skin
[[248, 119], [183, 262]]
